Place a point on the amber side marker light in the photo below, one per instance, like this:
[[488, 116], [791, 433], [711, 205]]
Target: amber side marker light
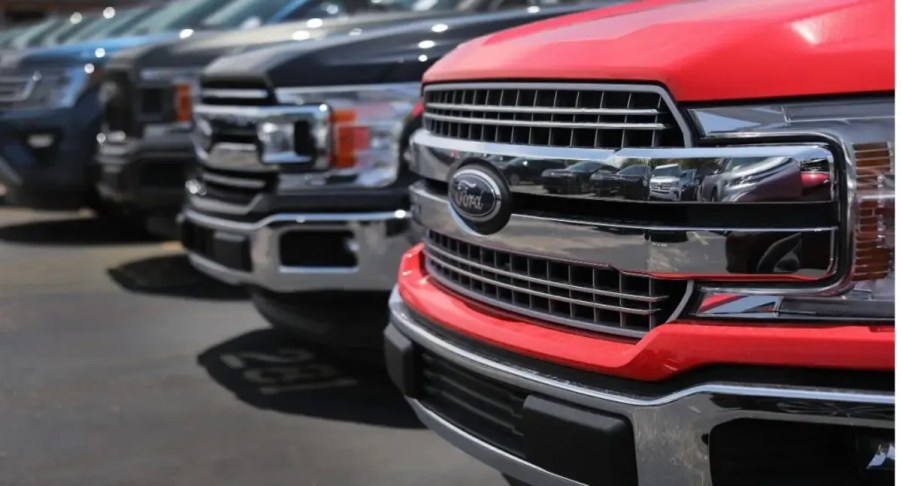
[[183, 102], [349, 139], [875, 231]]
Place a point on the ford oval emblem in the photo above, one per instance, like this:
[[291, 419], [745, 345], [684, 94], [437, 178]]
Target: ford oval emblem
[[480, 198]]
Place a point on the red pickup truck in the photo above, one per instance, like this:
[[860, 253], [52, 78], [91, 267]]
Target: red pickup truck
[[738, 331]]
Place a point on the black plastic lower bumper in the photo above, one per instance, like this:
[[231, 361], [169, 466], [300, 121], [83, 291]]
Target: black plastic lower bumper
[[147, 176], [572, 443], [545, 425]]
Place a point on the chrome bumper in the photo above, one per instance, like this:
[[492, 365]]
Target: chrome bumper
[[668, 430], [378, 255]]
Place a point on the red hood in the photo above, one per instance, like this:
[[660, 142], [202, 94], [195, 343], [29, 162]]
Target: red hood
[[701, 50]]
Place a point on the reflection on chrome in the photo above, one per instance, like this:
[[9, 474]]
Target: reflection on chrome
[[790, 173], [574, 179], [647, 247], [884, 457], [856, 305]]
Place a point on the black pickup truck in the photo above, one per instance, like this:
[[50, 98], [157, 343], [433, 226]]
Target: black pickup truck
[[144, 144], [300, 192]]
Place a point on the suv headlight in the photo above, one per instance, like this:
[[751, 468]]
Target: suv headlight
[[59, 88], [860, 131], [360, 135]]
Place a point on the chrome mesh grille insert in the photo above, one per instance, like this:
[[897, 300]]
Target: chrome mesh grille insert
[[591, 298], [553, 115]]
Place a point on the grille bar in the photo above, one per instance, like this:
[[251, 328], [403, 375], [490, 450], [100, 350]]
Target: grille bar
[[505, 273], [244, 94], [234, 187], [544, 110], [235, 93], [547, 124], [16, 88], [241, 182], [591, 298], [641, 312]]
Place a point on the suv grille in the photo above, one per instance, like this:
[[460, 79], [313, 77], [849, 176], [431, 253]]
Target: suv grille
[[609, 117], [592, 298], [15, 87]]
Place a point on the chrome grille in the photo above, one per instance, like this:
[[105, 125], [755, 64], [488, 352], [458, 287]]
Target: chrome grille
[[235, 95], [591, 298], [234, 187], [579, 116]]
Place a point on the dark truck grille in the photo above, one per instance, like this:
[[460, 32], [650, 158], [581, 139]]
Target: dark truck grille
[[592, 298], [609, 117], [229, 132], [235, 187], [487, 409], [157, 103], [119, 108]]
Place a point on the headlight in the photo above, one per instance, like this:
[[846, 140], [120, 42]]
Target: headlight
[[59, 88], [363, 128], [177, 90], [860, 132]]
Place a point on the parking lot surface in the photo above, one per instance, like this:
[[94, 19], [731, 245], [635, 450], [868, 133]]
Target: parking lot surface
[[121, 365]]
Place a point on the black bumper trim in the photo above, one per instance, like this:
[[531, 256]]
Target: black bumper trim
[[676, 424]]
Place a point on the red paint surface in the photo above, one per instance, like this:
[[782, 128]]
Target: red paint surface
[[702, 50], [664, 352]]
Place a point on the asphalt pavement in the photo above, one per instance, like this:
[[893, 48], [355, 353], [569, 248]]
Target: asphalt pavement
[[120, 365]]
